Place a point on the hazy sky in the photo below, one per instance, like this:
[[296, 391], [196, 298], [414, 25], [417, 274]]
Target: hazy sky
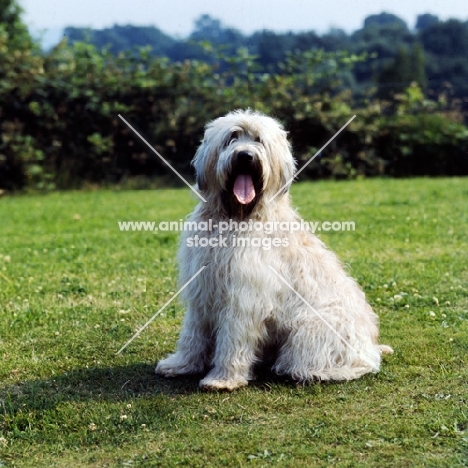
[[176, 16]]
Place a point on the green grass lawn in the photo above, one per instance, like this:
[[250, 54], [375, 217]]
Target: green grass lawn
[[73, 290]]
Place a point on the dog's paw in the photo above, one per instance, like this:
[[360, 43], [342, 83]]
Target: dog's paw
[[216, 385], [385, 349], [165, 370], [172, 367]]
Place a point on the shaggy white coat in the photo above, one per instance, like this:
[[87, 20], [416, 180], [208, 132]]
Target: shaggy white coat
[[238, 306]]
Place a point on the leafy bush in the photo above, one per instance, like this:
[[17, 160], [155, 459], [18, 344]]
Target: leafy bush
[[60, 125]]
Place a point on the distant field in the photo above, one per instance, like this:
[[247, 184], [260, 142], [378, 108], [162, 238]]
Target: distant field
[[74, 289]]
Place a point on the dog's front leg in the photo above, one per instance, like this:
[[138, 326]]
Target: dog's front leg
[[236, 344], [192, 353]]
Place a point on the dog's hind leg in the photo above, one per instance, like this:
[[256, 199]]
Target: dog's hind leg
[[315, 350]]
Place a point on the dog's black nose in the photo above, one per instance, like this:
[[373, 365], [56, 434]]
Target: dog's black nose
[[245, 156]]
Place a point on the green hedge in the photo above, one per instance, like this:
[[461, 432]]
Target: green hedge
[[59, 125]]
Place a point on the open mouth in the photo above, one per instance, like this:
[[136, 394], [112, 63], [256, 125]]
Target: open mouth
[[244, 189], [244, 185]]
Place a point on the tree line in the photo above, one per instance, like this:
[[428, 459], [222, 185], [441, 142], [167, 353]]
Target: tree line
[[59, 125], [434, 54]]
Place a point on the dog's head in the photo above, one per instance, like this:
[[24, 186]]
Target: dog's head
[[244, 156]]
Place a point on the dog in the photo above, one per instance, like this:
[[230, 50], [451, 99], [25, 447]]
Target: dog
[[288, 292]]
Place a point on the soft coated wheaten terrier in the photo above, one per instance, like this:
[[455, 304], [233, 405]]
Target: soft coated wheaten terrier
[[263, 289]]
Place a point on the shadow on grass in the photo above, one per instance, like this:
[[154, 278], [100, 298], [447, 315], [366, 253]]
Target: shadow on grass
[[108, 383], [118, 383]]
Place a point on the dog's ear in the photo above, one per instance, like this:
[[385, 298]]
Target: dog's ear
[[289, 169], [201, 182], [286, 164], [197, 164]]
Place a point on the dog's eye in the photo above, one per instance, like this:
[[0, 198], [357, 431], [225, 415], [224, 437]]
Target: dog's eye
[[257, 140], [234, 137]]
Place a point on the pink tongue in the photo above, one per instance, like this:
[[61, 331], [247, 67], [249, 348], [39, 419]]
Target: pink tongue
[[244, 189]]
